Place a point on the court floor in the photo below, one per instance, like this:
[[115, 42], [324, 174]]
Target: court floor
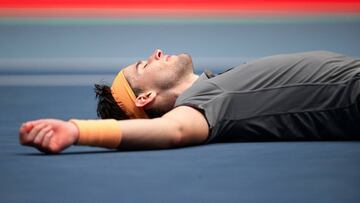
[[41, 78]]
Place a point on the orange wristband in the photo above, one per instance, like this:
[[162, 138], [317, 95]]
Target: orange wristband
[[100, 133]]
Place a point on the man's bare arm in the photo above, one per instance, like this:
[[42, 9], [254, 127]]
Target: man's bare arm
[[182, 126]]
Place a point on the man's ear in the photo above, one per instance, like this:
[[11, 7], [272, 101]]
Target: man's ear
[[145, 98]]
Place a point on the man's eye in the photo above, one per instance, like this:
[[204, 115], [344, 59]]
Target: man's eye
[[145, 65]]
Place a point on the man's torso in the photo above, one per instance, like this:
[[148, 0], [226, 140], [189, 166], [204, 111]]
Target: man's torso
[[308, 95]]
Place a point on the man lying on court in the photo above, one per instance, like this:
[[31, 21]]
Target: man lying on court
[[299, 96]]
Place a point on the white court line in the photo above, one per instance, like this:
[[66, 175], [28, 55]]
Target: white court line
[[55, 80]]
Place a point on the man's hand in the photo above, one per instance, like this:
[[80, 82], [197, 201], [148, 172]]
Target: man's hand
[[48, 135]]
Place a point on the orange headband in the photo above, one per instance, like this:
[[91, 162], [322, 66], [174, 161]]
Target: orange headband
[[125, 97]]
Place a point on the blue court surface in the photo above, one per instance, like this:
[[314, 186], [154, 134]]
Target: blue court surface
[[47, 70]]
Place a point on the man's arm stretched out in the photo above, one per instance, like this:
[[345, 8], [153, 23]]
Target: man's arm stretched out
[[150, 85], [182, 126]]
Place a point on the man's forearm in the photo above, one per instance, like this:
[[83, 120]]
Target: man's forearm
[[150, 133]]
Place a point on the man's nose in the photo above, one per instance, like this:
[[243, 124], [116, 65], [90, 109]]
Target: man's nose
[[156, 55]]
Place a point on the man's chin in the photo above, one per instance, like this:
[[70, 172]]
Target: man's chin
[[186, 55], [185, 63], [185, 58]]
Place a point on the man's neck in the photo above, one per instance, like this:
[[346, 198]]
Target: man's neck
[[167, 99], [185, 84]]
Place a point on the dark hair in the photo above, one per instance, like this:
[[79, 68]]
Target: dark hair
[[107, 106]]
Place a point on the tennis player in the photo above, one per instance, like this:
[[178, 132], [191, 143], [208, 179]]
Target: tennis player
[[160, 103]]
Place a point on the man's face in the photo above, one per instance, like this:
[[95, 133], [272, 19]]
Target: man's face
[[159, 71]]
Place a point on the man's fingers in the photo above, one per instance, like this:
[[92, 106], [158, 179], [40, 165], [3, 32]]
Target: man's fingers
[[28, 139], [41, 133], [25, 128], [46, 139], [24, 131], [31, 124]]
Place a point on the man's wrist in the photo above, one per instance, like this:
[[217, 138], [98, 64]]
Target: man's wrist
[[100, 133], [74, 132]]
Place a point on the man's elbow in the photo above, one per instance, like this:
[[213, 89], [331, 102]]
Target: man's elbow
[[174, 133], [177, 134], [182, 137], [176, 141]]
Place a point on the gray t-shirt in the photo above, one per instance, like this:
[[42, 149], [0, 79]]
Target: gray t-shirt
[[310, 95]]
